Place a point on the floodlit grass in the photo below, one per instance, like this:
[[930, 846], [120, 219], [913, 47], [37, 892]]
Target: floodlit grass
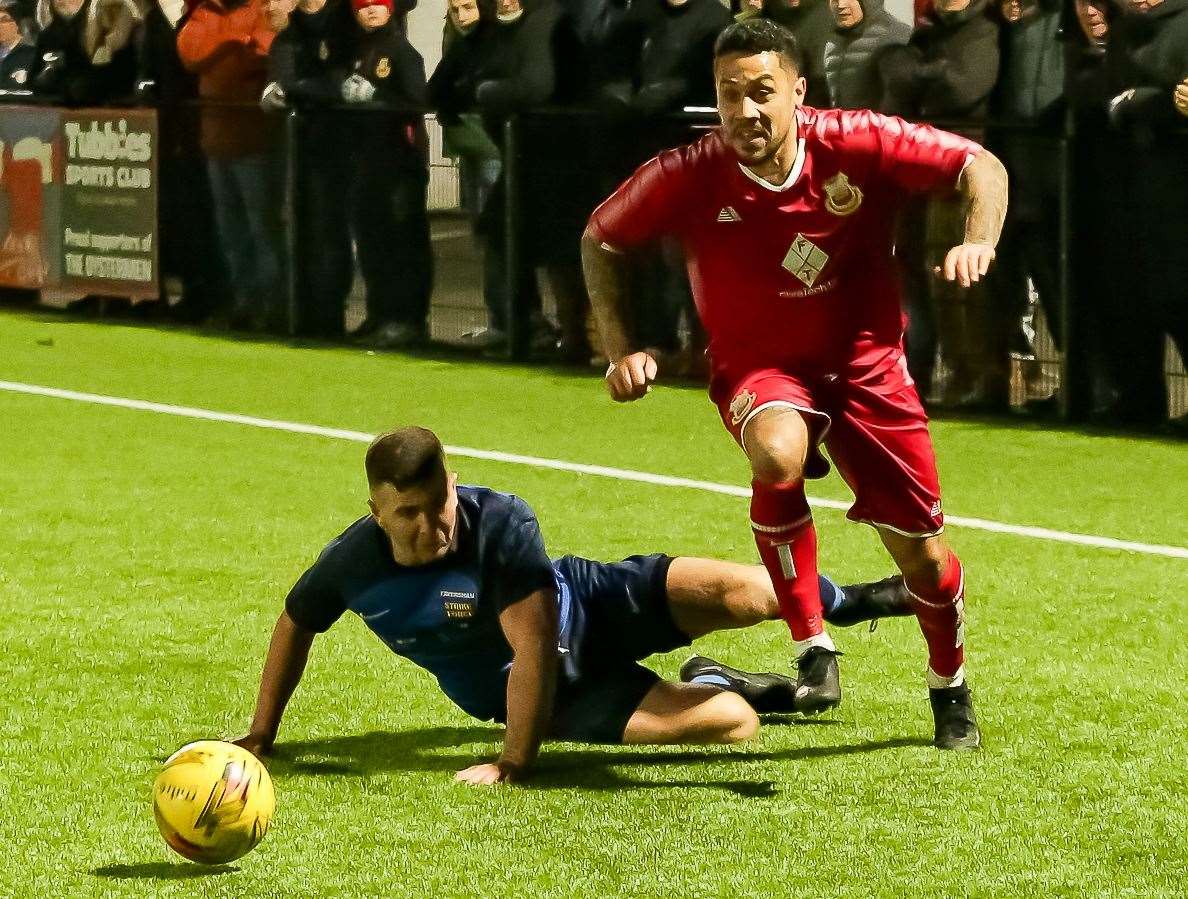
[[145, 558]]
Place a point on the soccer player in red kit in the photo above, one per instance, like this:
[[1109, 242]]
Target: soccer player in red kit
[[786, 215]]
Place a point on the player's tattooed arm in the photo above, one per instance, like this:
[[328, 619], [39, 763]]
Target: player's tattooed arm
[[287, 656], [530, 626], [630, 374], [983, 184]]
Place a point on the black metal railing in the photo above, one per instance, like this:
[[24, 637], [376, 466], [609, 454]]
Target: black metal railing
[[565, 150]]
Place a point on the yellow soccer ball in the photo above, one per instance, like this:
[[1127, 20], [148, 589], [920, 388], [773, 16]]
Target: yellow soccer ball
[[213, 801]]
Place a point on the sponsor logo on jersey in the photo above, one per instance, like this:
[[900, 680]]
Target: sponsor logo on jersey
[[383, 68], [741, 405], [805, 260], [842, 197], [729, 214], [458, 605]]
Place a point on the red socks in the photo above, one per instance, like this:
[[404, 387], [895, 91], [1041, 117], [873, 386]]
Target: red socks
[[787, 542], [941, 613]]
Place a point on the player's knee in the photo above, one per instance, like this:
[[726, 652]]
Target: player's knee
[[754, 600], [777, 459], [924, 567], [776, 443], [734, 718]]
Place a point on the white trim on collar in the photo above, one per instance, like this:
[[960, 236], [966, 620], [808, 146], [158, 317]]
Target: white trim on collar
[[793, 176]]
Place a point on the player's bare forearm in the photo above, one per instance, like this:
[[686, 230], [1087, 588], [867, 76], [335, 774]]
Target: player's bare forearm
[[606, 283], [984, 186], [287, 656], [630, 374], [531, 628]]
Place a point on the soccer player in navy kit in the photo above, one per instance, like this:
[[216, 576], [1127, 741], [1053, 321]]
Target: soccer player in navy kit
[[457, 580]]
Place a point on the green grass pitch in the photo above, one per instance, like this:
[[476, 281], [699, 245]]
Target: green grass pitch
[[145, 557]]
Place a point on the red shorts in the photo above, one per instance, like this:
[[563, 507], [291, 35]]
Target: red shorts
[[873, 426]]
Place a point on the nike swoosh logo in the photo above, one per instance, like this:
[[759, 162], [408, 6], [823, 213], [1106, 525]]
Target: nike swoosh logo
[[375, 615]]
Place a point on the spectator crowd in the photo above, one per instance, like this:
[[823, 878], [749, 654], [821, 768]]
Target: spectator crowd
[[605, 83]]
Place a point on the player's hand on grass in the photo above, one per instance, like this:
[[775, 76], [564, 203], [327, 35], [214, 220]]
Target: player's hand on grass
[[967, 263], [488, 773], [258, 745], [631, 377]]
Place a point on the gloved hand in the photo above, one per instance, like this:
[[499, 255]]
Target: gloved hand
[[1117, 108], [273, 98], [357, 89], [146, 91]]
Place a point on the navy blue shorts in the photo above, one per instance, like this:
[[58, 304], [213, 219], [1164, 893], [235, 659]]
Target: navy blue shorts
[[620, 615]]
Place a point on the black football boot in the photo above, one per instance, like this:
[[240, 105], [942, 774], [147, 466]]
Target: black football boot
[[956, 726], [818, 684], [888, 598], [766, 693]]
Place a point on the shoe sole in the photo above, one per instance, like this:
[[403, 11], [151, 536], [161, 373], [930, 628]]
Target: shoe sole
[[965, 745], [818, 707]]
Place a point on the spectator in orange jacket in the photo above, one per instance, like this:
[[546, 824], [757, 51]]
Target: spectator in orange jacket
[[226, 43]]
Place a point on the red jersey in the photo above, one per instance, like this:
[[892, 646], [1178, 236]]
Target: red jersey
[[799, 277]]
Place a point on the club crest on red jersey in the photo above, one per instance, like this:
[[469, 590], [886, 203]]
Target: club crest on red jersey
[[842, 197], [805, 260], [741, 405]]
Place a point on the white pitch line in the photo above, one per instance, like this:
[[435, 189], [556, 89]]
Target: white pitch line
[[622, 474]]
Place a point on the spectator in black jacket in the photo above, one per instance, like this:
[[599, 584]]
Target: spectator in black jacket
[[662, 55], [18, 64], [466, 38], [1096, 281], [659, 60], [812, 23], [389, 158], [864, 32], [1147, 61], [189, 248], [466, 45], [525, 56], [948, 71], [1030, 93], [305, 64], [18, 60], [86, 50], [950, 65]]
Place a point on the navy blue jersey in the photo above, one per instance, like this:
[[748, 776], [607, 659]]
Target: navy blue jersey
[[443, 616]]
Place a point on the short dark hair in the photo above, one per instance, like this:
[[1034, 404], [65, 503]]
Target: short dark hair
[[405, 458], [759, 35]]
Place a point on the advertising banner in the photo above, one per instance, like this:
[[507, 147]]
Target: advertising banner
[[78, 200]]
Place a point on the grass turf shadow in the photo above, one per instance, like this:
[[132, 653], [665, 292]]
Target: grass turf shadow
[[162, 871], [421, 750]]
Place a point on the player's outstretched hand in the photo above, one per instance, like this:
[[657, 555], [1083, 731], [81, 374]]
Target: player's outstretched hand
[[486, 774], [631, 377], [967, 263], [257, 744]]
